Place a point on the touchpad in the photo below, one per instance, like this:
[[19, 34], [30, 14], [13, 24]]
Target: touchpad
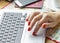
[[29, 38]]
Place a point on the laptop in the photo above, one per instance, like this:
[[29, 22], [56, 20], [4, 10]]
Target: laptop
[[24, 2], [13, 28]]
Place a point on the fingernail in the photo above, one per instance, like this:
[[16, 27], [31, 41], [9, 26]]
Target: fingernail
[[29, 29], [27, 19], [44, 26], [34, 34], [55, 41], [28, 23]]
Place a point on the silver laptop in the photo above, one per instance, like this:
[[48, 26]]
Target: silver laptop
[[24, 2], [13, 28]]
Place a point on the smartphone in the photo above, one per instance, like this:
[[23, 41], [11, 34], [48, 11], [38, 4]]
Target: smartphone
[[24, 2]]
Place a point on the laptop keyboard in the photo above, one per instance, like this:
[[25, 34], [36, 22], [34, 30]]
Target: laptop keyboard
[[11, 27]]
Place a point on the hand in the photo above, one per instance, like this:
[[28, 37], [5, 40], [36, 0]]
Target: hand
[[45, 19]]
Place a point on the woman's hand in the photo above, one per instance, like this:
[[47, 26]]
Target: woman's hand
[[45, 19]]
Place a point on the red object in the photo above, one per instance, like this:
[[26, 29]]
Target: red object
[[28, 23], [26, 19], [29, 29], [56, 41], [44, 26], [34, 34]]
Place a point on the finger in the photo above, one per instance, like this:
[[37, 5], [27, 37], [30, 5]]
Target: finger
[[27, 18], [35, 19], [49, 25], [38, 25], [32, 16]]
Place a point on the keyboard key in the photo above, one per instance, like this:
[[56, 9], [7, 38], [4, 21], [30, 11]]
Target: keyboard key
[[12, 41], [0, 38], [3, 40], [22, 21]]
